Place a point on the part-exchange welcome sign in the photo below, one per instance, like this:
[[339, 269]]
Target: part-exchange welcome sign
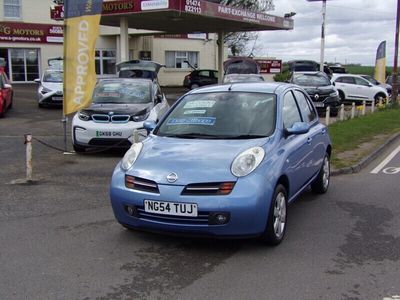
[[82, 18]]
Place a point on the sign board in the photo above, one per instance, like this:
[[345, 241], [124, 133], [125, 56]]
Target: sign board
[[270, 66], [31, 33]]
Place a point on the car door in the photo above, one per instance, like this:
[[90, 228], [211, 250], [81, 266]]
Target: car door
[[297, 147], [364, 89], [205, 77], [348, 85], [161, 105], [316, 139]]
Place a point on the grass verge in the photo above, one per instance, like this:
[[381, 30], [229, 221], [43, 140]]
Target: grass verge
[[355, 138]]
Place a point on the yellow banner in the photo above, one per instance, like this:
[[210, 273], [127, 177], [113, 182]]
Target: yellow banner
[[79, 61], [380, 70]]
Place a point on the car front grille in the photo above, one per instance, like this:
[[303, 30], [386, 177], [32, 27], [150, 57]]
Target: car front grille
[[103, 118], [208, 189], [201, 219], [110, 142]]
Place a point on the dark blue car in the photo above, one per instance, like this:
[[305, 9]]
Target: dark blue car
[[225, 161]]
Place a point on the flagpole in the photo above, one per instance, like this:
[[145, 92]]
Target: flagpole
[[64, 117]]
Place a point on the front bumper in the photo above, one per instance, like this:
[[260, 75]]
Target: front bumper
[[247, 207], [50, 98], [333, 102], [92, 134]]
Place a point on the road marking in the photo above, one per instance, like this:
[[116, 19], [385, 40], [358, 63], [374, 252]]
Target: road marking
[[385, 161]]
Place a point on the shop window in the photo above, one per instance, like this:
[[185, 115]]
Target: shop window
[[24, 64], [177, 59], [12, 9], [105, 62]]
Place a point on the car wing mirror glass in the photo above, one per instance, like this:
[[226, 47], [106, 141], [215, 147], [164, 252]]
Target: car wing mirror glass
[[298, 128]]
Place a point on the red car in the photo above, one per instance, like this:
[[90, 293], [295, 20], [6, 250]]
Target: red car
[[6, 91]]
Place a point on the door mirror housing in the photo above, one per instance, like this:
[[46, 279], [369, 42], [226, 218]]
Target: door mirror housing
[[7, 86], [37, 80], [149, 126], [298, 128]]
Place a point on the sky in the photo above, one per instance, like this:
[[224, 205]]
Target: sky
[[353, 31]]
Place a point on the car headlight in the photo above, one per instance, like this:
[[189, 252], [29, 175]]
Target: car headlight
[[84, 116], [45, 90], [140, 118], [130, 156], [247, 161], [334, 94]]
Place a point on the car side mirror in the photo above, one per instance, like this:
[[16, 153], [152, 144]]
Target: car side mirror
[[333, 83], [37, 80], [7, 86], [298, 128], [149, 126], [159, 98]]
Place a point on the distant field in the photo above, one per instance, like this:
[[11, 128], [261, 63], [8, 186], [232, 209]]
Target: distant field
[[367, 70]]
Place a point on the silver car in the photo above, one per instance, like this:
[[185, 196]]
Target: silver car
[[50, 90]]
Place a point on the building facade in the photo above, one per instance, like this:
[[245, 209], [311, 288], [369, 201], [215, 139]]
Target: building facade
[[29, 37]]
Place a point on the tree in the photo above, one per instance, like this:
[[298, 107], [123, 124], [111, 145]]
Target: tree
[[238, 42]]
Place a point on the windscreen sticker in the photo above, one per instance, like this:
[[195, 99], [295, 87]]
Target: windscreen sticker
[[200, 104], [108, 94], [209, 121], [195, 112]]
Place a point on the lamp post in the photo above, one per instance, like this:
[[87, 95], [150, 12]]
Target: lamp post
[[395, 81], [321, 64]]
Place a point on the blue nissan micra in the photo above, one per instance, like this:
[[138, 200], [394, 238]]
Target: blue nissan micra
[[225, 161]]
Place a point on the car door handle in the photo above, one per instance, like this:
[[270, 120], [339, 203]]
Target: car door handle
[[309, 140], [323, 131]]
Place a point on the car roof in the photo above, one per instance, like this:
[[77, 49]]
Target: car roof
[[336, 75], [261, 87], [310, 73]]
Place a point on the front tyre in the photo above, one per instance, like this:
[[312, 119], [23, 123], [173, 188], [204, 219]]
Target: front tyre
[[321, 183], [276, 223]]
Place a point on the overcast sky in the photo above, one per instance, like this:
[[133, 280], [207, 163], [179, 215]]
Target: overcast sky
[[354, 30]]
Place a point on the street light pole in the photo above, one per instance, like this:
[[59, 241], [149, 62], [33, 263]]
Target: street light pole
[[321, 66], [395, 85]]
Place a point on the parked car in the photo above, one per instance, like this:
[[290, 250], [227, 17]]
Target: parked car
[[50, 89], [355, 88], [307, 66], [231, 78], [207, 168], [372, 80], [6, 90], [320, 89], [338, 69], [241, 65], [139, 69], [389, 80], [200, 77], [119, 106]]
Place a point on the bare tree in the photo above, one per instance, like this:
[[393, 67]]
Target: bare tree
[[238, 42]]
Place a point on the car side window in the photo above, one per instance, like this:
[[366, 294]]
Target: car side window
[[360, 81], [349, 80], [305, 106], [204, 73], [290, 113]]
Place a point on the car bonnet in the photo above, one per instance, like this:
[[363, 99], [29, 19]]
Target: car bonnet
[[192, 160]]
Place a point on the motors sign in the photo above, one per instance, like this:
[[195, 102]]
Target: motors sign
[[270, 66], [30, 33]]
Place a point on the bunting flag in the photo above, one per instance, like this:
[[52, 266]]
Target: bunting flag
[[380, 63], [81, 29]]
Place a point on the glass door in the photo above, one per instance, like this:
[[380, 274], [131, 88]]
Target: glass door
[[24, 64]]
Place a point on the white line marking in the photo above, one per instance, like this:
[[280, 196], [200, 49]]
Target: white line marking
[[385, 161]]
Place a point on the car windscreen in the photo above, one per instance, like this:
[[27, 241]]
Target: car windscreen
[[122, 92], [310, 80], [53, 76], [221, 115]]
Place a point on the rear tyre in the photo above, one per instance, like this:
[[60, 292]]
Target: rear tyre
[[276, 223], [321, 183], [79, 149]]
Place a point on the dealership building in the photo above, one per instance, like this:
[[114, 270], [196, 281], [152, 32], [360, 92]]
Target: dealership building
[[30, 35]]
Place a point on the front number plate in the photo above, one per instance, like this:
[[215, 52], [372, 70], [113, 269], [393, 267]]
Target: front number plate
[[171, 208], [318, 104]]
